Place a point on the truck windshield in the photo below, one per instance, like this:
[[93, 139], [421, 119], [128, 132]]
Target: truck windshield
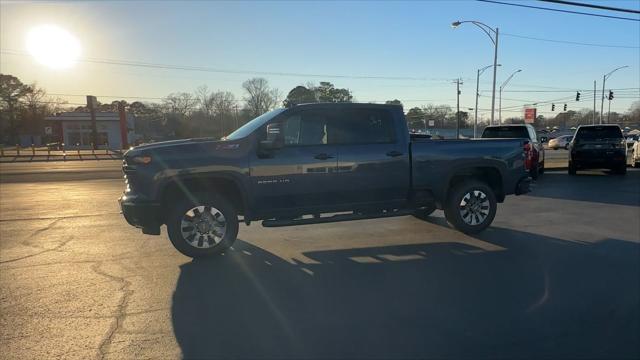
[[599, 132], [506, 132], [252, 125]]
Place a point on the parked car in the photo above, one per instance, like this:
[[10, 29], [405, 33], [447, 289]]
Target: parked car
[[596, 147], [304, 164], [630, 140], [522, 131], [561, 142], [635, 154]]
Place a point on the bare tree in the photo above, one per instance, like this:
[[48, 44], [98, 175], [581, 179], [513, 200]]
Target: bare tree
[[182, 104], [205, 100], [260, 97]]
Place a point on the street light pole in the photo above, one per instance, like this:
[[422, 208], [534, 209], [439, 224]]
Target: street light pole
[[495, 72], [593, 122], [494, 39], [604, 80], [504, 84], [475, 119]]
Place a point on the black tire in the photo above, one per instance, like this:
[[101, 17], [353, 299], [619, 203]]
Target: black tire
[[424, 212], [541, 168], [572, 168], [454, 210], [621, 170], [211, 202]]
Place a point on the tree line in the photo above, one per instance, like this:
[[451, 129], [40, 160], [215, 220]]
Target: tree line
[[216, 113]]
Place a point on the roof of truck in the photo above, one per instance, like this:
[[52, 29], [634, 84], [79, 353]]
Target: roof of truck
[[345, 104]]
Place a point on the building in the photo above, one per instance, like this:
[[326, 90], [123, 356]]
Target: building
[[74, 129]]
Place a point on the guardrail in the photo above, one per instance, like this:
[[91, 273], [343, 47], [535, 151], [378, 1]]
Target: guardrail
[[56, 153]]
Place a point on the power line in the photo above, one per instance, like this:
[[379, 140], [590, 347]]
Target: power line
[[229, 71], [559, 10], [571, 42], [593, 6]]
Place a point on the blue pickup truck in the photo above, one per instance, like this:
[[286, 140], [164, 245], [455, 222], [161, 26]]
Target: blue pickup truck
[[315, 163]]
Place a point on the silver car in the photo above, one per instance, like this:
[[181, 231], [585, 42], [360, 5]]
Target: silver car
[[561, 142]]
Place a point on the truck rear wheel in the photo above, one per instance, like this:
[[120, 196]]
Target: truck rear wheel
[[471, 206], [204, 226]]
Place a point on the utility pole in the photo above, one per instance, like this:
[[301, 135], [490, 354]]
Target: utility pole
[[91, 104], [604, 79], [236, 108], [458, 82], [609, 111], [593, 122]]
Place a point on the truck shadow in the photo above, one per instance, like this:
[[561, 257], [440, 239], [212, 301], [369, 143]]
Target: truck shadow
[[540, 297], [593, 186]]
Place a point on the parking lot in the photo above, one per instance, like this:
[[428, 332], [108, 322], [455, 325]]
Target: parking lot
[[556, 275]]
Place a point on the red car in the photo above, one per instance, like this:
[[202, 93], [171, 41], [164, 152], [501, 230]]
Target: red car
[[535, 155]]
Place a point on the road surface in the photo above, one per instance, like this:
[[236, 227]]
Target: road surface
[[555, 276]]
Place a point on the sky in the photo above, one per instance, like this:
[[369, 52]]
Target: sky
[[412, 44]]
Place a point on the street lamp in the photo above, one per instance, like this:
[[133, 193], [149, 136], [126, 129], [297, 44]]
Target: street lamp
[[494, 39], [604, 79], [475, 121], [504, 84]]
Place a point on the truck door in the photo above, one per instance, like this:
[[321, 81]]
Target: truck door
[[301, 174], [373, 159]]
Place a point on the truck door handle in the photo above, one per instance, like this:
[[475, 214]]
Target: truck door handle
[[323, 156], [394, 153]]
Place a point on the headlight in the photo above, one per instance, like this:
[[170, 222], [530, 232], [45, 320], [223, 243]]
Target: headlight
[[140, 159]]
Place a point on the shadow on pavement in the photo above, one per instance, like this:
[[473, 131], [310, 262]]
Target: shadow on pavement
[[593, 186], [540, 297]]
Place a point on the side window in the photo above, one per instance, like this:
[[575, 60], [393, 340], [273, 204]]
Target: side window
[[365, 126], [307, 128]]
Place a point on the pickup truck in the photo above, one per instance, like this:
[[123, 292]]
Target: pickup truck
[[315, 163], [535, 153]]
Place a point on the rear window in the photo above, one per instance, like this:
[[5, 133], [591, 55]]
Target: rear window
[[599, 132], [506, 132]]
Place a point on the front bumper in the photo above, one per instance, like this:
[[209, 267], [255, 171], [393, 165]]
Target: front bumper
[[523, 186], [141, 213]]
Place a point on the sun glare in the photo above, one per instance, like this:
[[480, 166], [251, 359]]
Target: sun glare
[[53, 46]]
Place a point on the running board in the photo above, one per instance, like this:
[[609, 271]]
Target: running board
[[334, 218]]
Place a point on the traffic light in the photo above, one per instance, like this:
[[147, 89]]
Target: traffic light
[[610, 95], [578, 96], [565, 107], [553, 107]]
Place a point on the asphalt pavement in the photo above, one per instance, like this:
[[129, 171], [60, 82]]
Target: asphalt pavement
[[555, 276]]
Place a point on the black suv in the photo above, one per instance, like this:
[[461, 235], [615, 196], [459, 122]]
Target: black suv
[[597, 147]]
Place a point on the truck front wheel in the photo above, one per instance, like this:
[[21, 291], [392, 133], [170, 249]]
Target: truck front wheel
[[203, 226], [471, 206]]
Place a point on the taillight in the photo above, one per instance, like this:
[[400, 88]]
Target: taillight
[[528, 155]]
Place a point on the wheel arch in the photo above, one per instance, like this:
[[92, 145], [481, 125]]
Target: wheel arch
[[226, 185], [490, 175]]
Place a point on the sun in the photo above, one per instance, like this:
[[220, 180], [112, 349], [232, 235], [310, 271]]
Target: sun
[[53, 46]]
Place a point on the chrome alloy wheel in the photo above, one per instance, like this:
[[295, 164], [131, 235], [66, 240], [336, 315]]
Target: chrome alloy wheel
[[474, 207], [203, 227]]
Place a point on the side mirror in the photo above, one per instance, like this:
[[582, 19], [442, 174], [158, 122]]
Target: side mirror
[[274, 140]]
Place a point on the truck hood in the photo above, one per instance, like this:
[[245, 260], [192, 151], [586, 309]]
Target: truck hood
[[164, 144]]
